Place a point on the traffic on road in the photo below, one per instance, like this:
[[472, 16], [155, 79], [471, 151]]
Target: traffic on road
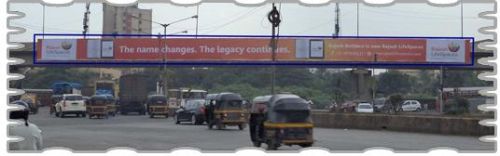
[[205, 120], [158, 134]]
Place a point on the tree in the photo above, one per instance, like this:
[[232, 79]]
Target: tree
[[395, 101], [394, 82], [426, 83], [463, 78], [44, 77]]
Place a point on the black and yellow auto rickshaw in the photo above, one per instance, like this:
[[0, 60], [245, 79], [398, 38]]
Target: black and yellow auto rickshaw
[[225, 109], [111, 105], [97, 107], [286, 120], [157, 105]]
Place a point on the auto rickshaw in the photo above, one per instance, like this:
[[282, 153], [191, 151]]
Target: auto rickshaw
[[225, 109], [111, 105], [157, 105], [286, 120], [258, 112], [97, 106]]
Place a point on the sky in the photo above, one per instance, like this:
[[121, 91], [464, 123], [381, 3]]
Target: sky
[[409, 19]]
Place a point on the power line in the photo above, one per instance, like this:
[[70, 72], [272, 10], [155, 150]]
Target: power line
[[40, 28], [217, 27], [313, 27], [414, 15], [164, 25]]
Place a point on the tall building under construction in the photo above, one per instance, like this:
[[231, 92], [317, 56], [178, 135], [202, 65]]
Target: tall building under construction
[[126, 20]]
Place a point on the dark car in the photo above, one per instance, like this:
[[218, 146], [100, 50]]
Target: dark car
[[193, 111], [33, 107], [22, 103], [348, 106], [379, 104]]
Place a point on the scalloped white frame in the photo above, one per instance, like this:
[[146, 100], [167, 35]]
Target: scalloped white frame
[[488, 76]]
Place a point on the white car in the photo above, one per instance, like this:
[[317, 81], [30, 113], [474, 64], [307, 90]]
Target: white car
[[364, 108], [410, 105], [71, 104], [30, 136]]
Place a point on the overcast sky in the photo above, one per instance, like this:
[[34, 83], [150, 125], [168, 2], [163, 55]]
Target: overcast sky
[[224, 18]]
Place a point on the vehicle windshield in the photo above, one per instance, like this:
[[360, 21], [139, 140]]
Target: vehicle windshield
[[365, 106], [74, 98], [291, 116], [230, 104], [174, 94], [158, 100], [98, 101], [194, 95], [379, 102], [194, 103]]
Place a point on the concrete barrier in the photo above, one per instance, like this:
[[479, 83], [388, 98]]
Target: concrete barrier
[[405, 123]]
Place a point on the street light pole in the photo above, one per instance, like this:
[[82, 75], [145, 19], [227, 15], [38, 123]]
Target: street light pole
[[274, 18], [374, 80], [164, 25], [164, 29], [164, 75]]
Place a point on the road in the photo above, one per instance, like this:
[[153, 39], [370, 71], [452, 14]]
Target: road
[[143, 133]]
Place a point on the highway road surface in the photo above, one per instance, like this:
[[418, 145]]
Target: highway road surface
[[145, 134]]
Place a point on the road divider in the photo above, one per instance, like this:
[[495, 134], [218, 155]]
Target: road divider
[[405, 123]]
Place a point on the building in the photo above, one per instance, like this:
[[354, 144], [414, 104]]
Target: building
[[126, 20]]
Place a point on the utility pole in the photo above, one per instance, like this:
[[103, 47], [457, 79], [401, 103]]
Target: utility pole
[[274, 18], [442, 73], [374, 80], [86, 19], [357, 18], [164, 76], [43, 21], [337, 16], [441, 86], [197, 19]]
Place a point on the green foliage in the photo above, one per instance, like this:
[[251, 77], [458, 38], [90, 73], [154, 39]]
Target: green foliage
[[459, 78], [394, 82], [43, 78], [457, 106], [247, 91], [395, 99], [320, 85], [427, 84], [418, 96]]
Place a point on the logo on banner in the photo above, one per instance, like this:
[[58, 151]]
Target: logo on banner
[[453, 46], [66, 45], [448, 51], [59, 49]]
